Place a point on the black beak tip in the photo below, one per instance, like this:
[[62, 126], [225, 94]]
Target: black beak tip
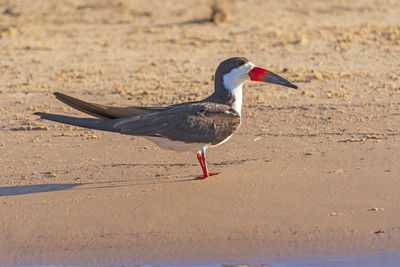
[[293, 86]]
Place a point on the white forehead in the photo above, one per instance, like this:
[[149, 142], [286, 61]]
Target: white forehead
[[244, 69], [237, 76]]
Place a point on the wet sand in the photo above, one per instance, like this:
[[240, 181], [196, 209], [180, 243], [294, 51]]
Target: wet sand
[[312, 171]]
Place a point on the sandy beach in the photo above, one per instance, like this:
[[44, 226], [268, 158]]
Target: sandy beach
[[313, 171]]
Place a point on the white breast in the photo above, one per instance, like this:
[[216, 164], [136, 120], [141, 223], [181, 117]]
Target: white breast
[[237, 93]]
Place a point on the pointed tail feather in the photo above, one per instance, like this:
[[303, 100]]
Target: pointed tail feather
[[96, 110], [96, 124], [105, 112]]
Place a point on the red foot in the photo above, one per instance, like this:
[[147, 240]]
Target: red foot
[[202, 161], [205, 176]]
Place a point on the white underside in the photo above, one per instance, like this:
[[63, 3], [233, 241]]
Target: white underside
[[180, 146]]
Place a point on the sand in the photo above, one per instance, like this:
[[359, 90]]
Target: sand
[[313, 171]]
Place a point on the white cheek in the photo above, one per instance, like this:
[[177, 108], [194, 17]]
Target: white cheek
[[237, 76], [233, 82]]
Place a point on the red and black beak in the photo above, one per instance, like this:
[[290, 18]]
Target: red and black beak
[[261, 75]]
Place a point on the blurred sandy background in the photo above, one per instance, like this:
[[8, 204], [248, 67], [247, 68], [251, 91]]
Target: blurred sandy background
[[310, 171]]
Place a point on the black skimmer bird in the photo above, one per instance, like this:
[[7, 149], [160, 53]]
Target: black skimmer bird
[[190, 126]]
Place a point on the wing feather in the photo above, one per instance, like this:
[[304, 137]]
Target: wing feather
[[201, 122]]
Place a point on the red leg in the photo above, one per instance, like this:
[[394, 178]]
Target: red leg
[[202, 160], [203, 156]]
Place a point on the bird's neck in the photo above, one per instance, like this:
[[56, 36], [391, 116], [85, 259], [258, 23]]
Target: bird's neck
[[232, 98], [237, 98], [227, 92]]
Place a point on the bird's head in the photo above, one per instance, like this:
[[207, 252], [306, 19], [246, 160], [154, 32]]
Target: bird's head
[[233, 72]]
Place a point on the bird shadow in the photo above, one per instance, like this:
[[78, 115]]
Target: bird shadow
[[113, 183], [44, 188], [36, 188]]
